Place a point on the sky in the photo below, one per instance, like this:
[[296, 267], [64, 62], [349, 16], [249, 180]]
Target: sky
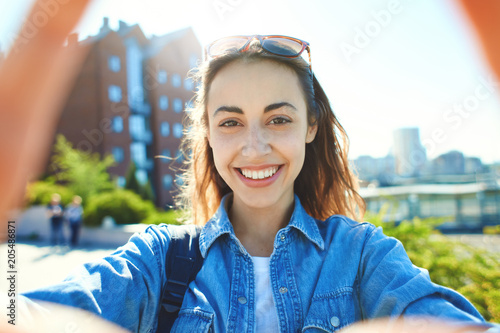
[[384, 64]]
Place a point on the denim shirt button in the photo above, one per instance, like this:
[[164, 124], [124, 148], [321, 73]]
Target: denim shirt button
[[335, 321], [282, 237], [283, 290], [242, 300]]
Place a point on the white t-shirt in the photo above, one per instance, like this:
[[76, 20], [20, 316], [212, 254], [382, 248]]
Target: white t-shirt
[[265, 311]]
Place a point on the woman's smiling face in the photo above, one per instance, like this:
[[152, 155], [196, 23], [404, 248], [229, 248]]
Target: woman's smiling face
[[258, 130]]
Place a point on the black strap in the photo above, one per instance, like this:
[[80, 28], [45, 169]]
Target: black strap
[[182, 263]]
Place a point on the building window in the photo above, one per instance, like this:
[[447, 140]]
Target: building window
[[177, 130], [166, 155], [141, 176], [168, 180], [193, 60], [176, 80], [121, 181], [117, 124], [179, 156], [165, 129], [114, 64], [162, 76], [137, 126], [179, 181], [188, 84], [114, 93], [135, 74], [138, 154], [188, 107], [163, 102], [117, 154], [178, 105]]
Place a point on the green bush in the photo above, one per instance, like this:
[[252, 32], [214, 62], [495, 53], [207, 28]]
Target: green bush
[[169, 217], [124, 206], [85, 174], [471, 271], [40, 192]]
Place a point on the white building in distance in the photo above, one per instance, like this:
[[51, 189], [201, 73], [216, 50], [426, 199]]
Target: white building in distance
[[409, 154]]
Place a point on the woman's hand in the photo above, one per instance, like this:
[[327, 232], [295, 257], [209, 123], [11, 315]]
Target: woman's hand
[[35, 79]]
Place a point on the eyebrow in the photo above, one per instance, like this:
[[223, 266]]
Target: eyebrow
[[226, 108], [279, 105], [271, 107]]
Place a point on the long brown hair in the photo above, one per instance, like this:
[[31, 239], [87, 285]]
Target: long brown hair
[[325, 186]]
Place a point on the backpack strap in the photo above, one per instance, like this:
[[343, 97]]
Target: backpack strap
[[182, 263]]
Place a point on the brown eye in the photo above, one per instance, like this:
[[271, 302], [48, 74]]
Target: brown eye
[[229, 123], [279, 121]]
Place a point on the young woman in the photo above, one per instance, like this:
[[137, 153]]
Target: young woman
[[268, 177]]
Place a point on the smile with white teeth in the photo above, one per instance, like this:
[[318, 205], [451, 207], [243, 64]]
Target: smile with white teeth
[[260, 174]]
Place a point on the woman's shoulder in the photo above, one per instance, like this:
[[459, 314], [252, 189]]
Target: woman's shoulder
[[161, 234], [346, 230], [338, 221], [172, 230]]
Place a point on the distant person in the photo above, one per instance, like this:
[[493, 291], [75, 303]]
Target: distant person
[[55, 212], [74, 216]]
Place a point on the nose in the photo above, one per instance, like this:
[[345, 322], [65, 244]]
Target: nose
[[256, 143]]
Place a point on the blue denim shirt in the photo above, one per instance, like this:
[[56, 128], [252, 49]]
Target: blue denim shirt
[[325, 275]]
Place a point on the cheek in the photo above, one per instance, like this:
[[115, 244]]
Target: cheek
[[221, 150], [292, 145]]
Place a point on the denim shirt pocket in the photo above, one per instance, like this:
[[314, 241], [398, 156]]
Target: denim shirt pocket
[[193, 320], [331, 312]]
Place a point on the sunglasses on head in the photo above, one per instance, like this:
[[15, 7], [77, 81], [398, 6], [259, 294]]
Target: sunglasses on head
[[282, 46]]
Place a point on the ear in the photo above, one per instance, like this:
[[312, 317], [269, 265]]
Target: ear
[[311, 133], [207, 135]]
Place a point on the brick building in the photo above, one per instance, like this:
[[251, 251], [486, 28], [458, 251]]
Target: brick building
[[129, 98]]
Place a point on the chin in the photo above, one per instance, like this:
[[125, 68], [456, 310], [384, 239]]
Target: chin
[[264, 200]]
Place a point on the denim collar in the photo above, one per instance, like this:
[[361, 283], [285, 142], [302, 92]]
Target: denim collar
[[219, 225]]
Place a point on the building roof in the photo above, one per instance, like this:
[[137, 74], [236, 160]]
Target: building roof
[[157, 43], [153, 46], [453, 189], [123, 31], [103, 32]]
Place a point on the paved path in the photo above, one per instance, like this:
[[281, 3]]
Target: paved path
[[39, 264]]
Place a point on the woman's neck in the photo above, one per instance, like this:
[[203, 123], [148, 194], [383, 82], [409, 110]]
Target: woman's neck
[[256, 228]]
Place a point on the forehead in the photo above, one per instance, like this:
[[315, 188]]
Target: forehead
[[264, 81]]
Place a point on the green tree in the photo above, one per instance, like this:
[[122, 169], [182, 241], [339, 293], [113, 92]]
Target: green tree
[[84, 174], [40, 193], [131, 182], [145, 191]]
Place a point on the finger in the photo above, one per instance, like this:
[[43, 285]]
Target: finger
[[484, 16], [35, 77]]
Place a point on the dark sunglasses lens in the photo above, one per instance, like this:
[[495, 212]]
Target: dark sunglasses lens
[[282, 46], [225, 45]]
